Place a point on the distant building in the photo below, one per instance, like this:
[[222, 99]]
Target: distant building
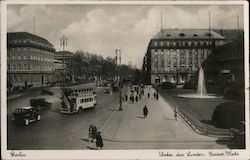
[[174, 55], [30, 60], [226, 63], [62, 59]]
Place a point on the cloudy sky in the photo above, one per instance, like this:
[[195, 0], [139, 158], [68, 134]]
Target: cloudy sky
[[101, 29]]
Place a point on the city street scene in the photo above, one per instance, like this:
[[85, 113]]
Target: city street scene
[[125, 77]]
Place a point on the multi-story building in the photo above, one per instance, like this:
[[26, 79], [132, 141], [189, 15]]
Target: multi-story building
[[30, 60], [226, 63], [174, 55]]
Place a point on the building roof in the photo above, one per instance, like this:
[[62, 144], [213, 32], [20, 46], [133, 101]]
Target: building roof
[[187, 34], [25, 36], [25, 39]]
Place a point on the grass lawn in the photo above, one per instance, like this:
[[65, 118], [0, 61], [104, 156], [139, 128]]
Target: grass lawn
[[198, 111]]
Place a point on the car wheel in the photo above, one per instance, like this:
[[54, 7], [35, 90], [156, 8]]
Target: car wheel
[[38, 117], [27, 122]]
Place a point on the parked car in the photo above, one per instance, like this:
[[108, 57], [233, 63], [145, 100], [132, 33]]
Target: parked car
[[39, 104], [26, 115], [46, 91]]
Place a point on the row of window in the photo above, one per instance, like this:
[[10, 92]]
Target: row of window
[[33, 67], [181, 43], [84, 90], [86, 100], [31, 49], [30, 78], [182, 61], [31, 41], [174, 69], [191, 52], [29, 57]]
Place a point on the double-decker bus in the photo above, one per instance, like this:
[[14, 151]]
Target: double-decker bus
[[77, 98]]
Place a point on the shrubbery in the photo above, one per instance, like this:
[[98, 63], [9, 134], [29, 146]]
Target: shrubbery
[[189, 85], [228, 115], [167, 85]]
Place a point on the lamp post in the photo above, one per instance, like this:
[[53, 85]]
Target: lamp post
[[118, 53]]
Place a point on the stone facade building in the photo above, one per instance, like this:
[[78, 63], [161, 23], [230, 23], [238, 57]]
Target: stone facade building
[[174, 55], [226, 63], [30, 60]]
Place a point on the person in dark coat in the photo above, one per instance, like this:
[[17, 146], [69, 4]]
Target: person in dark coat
[[94, 132], [145, 111], [99, 142], [136, 98], [126, 97], [148, 94], [91, 133], [175, 114]]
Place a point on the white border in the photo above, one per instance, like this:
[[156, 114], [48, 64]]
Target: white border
[[113, 154]]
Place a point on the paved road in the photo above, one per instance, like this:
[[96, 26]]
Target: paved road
[[56, 130]]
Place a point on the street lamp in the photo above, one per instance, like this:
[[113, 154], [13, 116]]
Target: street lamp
[[118, 53]]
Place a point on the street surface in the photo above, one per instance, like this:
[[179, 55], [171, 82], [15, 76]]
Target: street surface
[[126, 129], [57, 130]]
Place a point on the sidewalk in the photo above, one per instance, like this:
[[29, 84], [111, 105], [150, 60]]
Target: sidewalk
[[160, 126]]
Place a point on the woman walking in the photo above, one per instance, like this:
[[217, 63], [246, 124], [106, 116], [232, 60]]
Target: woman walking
[[99, 142]]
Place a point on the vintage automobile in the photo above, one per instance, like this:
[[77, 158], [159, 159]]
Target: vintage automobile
[[39, 104], [46, 92], [26, 115]]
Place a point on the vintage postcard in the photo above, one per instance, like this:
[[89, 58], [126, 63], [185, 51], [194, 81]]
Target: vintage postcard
[[124, 80]]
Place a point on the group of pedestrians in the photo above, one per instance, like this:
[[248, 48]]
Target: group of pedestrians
[[95, 135]]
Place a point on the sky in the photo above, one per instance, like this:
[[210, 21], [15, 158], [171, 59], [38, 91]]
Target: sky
[[101, 29]]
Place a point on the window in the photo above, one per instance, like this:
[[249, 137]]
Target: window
[[169, 61], [168, 43], [195, 43], [201, 43], [189, 43], [190, 68], [161, 43], [155, 43], [190, 60], [14, 57], [19, 67], [174, 43], [25, 66]]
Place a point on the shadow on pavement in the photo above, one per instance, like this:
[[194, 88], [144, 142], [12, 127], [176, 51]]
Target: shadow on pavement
[[140, 116], [169, 119], [85, 139], [92, 148]]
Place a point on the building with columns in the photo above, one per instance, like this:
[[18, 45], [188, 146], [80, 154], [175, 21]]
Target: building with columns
[[174, 55], [30, 60]]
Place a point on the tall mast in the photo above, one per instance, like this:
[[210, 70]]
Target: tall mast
[[34, 29]]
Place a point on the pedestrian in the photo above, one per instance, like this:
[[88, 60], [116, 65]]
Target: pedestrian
[[157, 96], [148, 94], [99, 142], [175, 114], [136, 98], [90, 133], [145, 111], [139, 96], [94, 132], [126, 97]]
